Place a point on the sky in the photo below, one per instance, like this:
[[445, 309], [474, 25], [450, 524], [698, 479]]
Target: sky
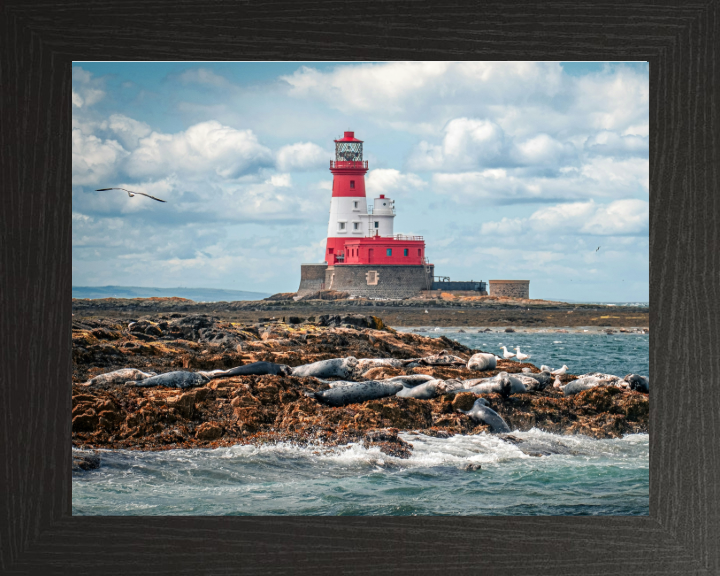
[[510, 170]]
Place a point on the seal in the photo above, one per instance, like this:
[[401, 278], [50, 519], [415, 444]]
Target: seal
[[411, 380], [503, 384], [450, 386], [254, 369], [443, 358], [637, 382], [339, 367], [177, 379], [425, 391], [481, 413], [536, 382], [354, 392], [587, 381], [482, 361], [118, 377], [366, 364]]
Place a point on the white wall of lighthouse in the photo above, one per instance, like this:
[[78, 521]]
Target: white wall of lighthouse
[[350, 217]]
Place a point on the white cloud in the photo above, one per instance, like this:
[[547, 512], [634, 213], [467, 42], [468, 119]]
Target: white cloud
[[543, 150], [303, 156], [94, 159], [628, 217], [392, 182], [494, 185], [363, 87], [623, 217], [608, 143], [393, 88], [128, 130], [611, 100], [86, 90], [281, 180], [468, 143], [207, 147], [599, 177], [628, 173], [637, 130]]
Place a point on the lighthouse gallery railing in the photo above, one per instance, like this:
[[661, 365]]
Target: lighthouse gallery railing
[[348, 164]]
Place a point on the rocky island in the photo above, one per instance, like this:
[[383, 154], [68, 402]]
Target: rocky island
[[216, 409]]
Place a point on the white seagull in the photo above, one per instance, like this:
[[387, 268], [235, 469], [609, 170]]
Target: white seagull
[[507, 355], [557, 384], [520, 355], [130, 193], [560, 371]]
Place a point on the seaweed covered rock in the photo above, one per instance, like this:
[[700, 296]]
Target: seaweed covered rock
[[235, 408]]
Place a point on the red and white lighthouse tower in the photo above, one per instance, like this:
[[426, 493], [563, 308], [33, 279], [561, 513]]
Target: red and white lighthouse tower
[[358, 234], [348, 204], [363, 256]]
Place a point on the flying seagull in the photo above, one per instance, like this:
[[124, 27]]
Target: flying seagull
[[130, 193], [598, 248]]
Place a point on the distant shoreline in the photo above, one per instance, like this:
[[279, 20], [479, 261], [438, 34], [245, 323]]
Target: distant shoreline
[[195, 294], [524, 314]]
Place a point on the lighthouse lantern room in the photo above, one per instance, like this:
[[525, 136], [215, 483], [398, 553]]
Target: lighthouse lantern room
[[358, 233]]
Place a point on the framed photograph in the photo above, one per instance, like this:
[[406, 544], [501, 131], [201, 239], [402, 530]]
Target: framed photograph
[[465, 339], [371, 361]]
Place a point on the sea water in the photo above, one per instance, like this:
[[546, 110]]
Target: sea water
[[581, 476]]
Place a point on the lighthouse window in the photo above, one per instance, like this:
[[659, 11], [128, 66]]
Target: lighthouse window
[[389, 251], [355, 204], [418, 251], [356, 225], [405, 252], [352, 185], [341, 225], [377, 224]]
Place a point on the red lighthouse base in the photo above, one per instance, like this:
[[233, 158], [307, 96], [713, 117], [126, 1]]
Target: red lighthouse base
[[396, 250]]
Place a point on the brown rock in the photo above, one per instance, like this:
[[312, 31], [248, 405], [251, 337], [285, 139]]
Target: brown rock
[[388, 441], [463, 401], [183, 404], [82, 408], [381, 373], [86, 422], [110, 415], [209, 431]]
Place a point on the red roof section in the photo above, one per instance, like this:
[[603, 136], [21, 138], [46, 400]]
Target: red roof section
[[348, 137]]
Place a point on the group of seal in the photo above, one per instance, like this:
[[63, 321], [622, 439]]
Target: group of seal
[[595, 379], [418, 386], [183, 379]]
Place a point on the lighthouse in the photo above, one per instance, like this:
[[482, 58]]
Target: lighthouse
[[363, 254], [348, 206]]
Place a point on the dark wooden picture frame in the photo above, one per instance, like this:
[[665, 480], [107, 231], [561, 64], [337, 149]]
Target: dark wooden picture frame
[[38, 42]]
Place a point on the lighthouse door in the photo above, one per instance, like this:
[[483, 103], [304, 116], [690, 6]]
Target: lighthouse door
[[370, 255]]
